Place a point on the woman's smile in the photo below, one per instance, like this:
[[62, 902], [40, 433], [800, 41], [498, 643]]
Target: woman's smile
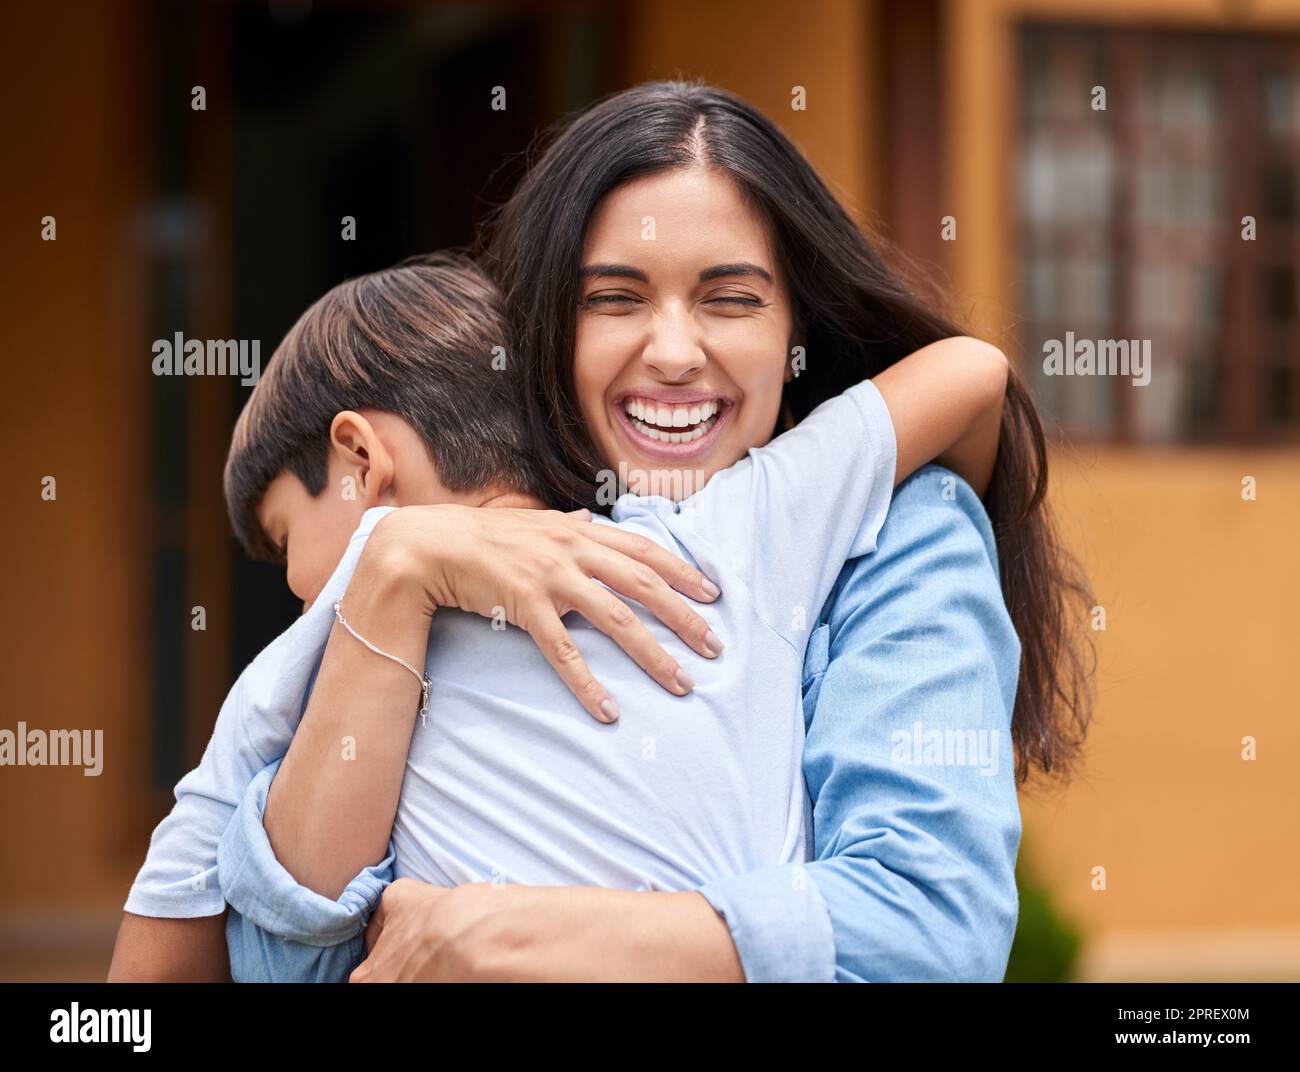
[[671, 425]]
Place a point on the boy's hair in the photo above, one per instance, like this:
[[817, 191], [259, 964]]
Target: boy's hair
[[415, 340]]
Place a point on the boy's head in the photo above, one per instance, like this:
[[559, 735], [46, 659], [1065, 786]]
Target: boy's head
[[383, 393]]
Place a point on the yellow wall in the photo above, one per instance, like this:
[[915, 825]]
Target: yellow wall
[[76, 601], [78, 581], [1201, 591], [759, 49]]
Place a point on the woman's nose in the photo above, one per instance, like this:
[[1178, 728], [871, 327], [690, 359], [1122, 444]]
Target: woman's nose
[[674, 350]]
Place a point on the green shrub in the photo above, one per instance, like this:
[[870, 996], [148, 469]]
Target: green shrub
[[1046, 946]]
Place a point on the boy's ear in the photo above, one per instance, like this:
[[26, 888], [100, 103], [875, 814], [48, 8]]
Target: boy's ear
[[367, 464]]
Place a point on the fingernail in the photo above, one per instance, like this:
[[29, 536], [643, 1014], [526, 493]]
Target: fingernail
[[712, 644], [710, 589], [609, 709], [684, 681]]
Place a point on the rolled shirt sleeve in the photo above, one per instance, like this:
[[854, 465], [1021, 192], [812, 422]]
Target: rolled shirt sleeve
[[913, 875], [779, 922], [278, 930]]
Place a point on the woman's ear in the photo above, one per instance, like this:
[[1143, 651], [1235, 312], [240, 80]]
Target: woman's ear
[[367, 463]]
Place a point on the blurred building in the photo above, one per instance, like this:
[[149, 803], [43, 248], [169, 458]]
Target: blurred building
[[966, 131]]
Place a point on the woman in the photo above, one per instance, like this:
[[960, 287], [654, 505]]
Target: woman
[[913, 876]]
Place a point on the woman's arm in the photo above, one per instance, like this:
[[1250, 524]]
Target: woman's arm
[[482, 932], [280, 931], [914, 875], [331, 806]]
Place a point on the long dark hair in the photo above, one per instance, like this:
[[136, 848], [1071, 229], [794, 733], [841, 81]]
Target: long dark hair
[[854, 314]]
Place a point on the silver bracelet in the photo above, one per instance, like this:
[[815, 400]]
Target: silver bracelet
[[426, 685]]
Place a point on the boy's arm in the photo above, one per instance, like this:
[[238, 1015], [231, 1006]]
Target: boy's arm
[[946, 404], [153, 950]]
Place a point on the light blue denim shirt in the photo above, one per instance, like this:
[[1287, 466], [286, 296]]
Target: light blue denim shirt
[[909, 684]]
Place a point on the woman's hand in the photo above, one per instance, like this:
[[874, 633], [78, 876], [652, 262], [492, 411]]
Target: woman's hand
[[533, 566], [485, 932]]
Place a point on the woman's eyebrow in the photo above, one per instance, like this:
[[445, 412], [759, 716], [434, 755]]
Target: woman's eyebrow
[[613, 271], [739, 268]]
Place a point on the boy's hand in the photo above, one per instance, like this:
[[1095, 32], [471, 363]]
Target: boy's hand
[[537, 565]]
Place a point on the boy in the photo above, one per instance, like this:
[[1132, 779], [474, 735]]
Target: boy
[[433, 322], [512, 779]]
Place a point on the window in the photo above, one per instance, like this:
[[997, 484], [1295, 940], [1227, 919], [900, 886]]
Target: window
[[1131, 233]]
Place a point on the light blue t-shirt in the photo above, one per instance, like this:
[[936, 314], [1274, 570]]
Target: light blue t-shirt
[[512, 779]]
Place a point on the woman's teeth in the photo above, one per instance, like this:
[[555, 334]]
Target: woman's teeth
[[659, 422]]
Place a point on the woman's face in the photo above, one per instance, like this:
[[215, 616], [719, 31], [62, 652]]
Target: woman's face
[[683, 330]]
